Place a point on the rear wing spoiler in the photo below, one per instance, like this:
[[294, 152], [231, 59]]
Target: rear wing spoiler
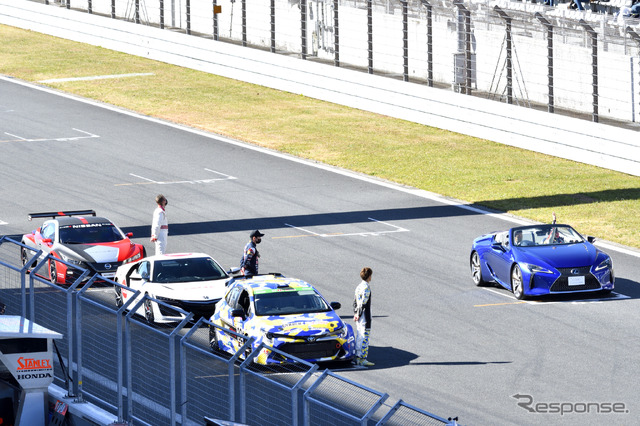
[[65, 213]]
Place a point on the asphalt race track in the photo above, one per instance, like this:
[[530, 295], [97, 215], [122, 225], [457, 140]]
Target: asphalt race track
[[438, 342]]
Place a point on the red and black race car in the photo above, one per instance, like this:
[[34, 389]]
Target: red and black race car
[[81, 239]]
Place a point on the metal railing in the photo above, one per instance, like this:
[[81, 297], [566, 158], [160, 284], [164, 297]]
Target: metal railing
[[528, 54], [168, 375]]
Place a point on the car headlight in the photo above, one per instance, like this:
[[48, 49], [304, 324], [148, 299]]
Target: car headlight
[[538, 269], [605, 264], [340, 332], [73, 261]]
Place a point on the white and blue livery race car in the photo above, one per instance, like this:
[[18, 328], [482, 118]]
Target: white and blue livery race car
[[287, 314]]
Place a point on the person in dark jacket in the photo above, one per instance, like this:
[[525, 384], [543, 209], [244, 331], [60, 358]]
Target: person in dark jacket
[[250, 256]]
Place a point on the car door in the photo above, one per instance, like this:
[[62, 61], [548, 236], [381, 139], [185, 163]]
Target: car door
[[231, 300], [137, 280], [47, 237], [499, 258]]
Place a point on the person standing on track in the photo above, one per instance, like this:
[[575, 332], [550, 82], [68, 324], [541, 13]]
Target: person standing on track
[[362, 317], [160, 225], [250, 255]]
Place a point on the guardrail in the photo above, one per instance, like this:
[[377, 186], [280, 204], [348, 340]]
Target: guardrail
[[168, 375]]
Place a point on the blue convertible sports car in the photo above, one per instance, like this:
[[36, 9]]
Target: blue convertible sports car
[[541, 259]]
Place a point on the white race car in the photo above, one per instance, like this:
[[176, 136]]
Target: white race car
[[193, 282]]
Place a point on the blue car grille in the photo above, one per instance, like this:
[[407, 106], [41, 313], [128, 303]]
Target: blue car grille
[[312, 350], [562, 283]]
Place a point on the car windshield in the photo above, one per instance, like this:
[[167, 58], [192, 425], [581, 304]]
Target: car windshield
[[289, 302], [90, 233], [545, 235], [187, 269]]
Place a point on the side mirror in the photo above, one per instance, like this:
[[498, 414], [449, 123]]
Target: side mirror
[[129, 234], [47, 240], [234, 271], [335, 305], [591, 239], [497, 246], [145, 276]]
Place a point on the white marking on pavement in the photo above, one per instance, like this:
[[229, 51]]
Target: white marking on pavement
[[225, 177], [613, 296], [14, 136], [95, 77], [17, 138], [362, 234]]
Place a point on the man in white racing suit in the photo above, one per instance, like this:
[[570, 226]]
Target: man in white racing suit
[[362, 317], [160, 225]]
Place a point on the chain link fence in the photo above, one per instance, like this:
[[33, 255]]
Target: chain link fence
[[583, 63], [168, 374]]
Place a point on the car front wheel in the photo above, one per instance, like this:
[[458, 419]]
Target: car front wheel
[[148, 311], [53, 272], [24, 256], [476, 269], [119, 302], [213, 339], [516, 283]]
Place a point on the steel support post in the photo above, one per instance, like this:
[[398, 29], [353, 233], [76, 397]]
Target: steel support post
[[594, 67], [215, 20], [405, 40], [336, 34], [507, 20], [273, 25], [635, 38], [188, 7], [549, 27], [303, 28], [370, 35], [244, 23]]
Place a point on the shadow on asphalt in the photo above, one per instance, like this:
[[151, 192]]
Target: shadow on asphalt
[[278, 222], [624, 289]]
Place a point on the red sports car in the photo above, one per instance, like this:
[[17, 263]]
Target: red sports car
[[81, 239]]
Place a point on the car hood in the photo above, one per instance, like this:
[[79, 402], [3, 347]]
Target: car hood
[[300, 325], [561, 256], [192, 290], [99, 253]]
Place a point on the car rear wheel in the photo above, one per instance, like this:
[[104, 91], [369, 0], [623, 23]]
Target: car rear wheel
[[516, 283], [148, 311], [476, 269]]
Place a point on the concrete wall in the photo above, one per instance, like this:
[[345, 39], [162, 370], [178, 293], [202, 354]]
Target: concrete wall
[[578, 140]]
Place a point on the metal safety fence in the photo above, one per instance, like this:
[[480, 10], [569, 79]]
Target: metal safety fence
[[523, 53], [168, 374]]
